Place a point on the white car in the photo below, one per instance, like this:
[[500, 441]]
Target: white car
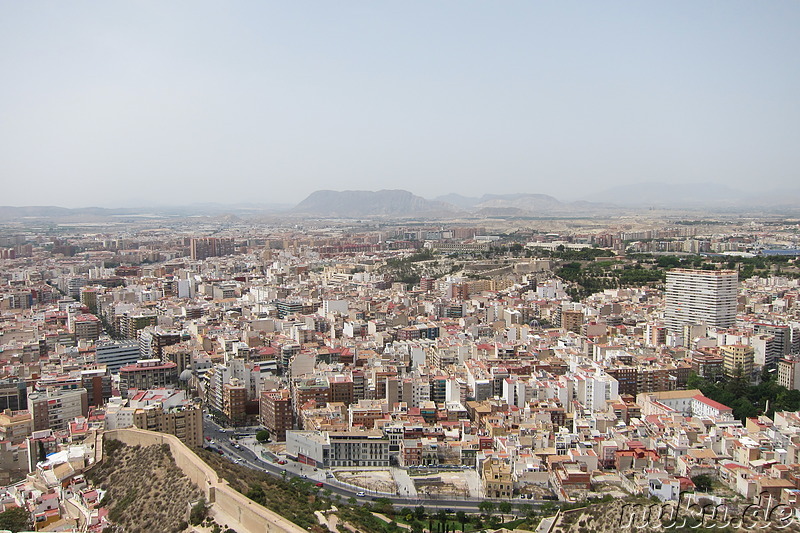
[[361, 494]]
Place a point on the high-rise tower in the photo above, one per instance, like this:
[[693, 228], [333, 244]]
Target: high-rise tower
[[701, 297]]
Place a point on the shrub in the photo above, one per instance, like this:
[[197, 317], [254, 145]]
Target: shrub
[[198, 512]]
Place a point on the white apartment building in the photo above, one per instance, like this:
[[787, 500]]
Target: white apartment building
[[594, 390], [701, 297], [324, 449]]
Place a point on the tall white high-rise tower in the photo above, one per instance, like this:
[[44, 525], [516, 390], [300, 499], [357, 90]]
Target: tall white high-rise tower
[[701, 297]]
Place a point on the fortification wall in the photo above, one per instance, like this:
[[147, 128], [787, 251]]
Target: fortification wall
[[252, 517], [195, 469]]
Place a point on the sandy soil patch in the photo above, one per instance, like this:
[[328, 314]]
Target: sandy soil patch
[[442, 484], [373, 480]]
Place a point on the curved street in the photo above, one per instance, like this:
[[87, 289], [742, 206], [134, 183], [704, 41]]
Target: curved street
[[247, 457]]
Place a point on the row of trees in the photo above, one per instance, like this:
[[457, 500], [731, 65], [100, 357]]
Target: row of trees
[[596, 277], [745, 399], [404, 270], [419, 519], [747, 266]]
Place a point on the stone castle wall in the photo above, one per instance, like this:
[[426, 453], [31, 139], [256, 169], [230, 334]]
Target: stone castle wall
[[251, 517]]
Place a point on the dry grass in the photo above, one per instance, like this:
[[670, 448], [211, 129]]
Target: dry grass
[[295, 499], [146, 491]]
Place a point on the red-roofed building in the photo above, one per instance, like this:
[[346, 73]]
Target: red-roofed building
[[148, 374], [702, 406], [78, 428], [85, 326], [636, 458]]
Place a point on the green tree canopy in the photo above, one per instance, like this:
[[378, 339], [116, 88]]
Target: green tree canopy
[[505, 507], [16, 519], [703, 482], [486, 507]]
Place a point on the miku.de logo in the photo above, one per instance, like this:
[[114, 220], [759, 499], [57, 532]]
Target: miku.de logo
[[691, 512]]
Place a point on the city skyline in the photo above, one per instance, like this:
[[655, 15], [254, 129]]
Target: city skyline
[[119, 105], [465, 362]]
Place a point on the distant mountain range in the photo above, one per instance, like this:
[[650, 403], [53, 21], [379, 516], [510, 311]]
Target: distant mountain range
[[397, 203], [522, 205], [623, 198], [369, 203]]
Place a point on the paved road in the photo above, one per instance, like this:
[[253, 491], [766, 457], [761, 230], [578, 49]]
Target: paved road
[[248, 458]]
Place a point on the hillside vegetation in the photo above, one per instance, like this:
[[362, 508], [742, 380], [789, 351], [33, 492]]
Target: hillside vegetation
[[146, 491], [295, 499]]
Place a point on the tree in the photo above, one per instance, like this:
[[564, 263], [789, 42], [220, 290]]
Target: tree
[[263, 435], [505, 507], [668, 261], [486, 507], [257, 494], [694, 381], [703, 482], [462, 518], [419, 512], [527, 510], [384, 506], [16, 519], [198, 512]]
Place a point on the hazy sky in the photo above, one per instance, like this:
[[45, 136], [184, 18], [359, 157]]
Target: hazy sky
[[165, 103]]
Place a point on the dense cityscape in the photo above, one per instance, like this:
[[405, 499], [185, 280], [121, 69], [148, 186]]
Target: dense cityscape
[[502, 365], [399, 267]]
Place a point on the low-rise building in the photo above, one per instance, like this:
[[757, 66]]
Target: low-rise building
[[147, 374], [339, 449], [496, 477]]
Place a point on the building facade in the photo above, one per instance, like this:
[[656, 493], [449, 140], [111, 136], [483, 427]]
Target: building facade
[[700, 297], [276, 412], [147, 374], [54, 408]]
